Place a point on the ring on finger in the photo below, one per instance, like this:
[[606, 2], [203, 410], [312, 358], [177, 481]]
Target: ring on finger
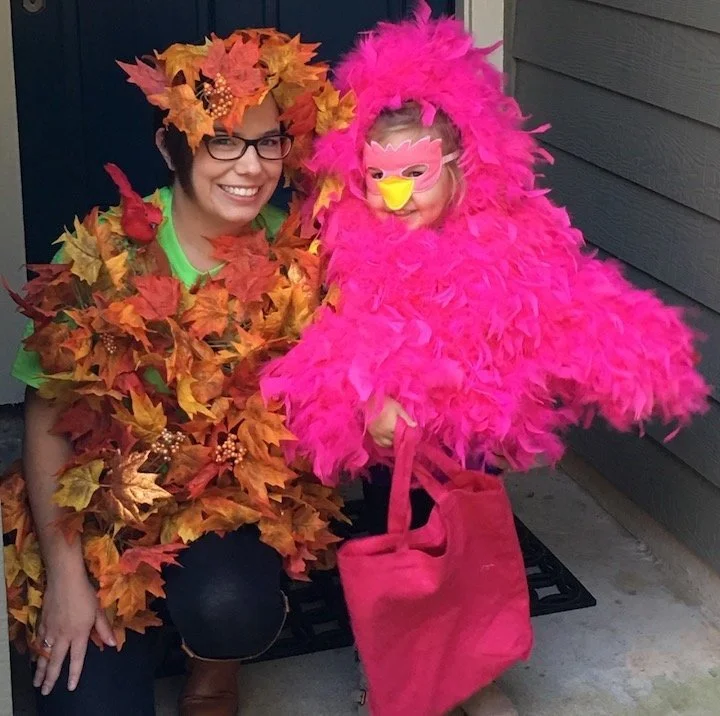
[[47, 644]]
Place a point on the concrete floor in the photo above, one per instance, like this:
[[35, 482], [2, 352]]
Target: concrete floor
[[645, 650]]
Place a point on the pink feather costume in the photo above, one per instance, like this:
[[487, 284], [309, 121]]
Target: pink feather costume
[[494, 331]]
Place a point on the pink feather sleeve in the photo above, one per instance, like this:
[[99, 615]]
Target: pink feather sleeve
[[624, 352]]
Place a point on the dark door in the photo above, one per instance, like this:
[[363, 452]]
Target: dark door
[[76, 112]]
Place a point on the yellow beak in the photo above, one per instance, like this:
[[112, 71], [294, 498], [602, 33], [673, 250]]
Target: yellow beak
[[396, 191]]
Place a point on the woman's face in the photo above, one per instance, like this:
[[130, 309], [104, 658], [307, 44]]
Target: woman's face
[[230, 194]]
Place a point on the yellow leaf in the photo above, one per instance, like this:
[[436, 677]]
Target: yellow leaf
[[78, 484], [100, 553], [34, 598], [260, 427], [12, 564], [186, 59], [331, 189], [147, 420], [186, 112], [30, 559], [82, 249], [187, 401], [334, 112], [117, 268], [132, 488]]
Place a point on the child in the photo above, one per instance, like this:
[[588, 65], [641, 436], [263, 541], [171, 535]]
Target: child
[[463, 300]]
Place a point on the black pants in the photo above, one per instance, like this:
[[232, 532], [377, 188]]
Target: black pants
[[225, 601]]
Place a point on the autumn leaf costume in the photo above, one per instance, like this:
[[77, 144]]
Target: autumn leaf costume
[[156, 364]]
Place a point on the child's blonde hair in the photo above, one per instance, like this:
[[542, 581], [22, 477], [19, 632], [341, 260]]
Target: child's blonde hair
[[409, 116]]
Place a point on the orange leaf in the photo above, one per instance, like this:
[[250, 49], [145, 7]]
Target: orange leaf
[[196, 486], [186, 463], [278, 534], [248, 271], [289, 60], [100, 554], [254, 476], [224, 513], [187, 401], [15, 508], [130, 590], [155, 557], [186, 112], [209, 312], [142, 621], [210, 381], [261, 428], [124, 316]]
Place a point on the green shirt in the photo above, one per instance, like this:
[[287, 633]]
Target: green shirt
[[27, 368]]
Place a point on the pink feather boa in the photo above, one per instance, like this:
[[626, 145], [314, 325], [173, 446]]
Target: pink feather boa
[[494, 331]]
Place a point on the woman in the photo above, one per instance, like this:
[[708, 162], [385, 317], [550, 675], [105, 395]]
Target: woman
[[148, 332]]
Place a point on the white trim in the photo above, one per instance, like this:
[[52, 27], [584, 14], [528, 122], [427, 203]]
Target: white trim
[[12, 242], [485, 19]]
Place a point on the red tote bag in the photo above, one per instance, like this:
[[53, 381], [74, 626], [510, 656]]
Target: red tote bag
[[437, 612]]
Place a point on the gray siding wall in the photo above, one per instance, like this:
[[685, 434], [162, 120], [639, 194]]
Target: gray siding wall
[[632, 90]]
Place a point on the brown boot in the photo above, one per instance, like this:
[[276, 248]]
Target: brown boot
[[211, 688]]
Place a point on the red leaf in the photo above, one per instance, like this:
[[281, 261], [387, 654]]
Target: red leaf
[[197, 485], [248, 270], [154, 557], [158, 296], [151, 80]]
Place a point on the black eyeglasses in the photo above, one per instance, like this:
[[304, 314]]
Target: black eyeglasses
[[229, 147]]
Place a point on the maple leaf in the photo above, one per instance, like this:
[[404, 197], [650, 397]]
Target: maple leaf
[[186, 463], [47, 341], [71, 525], [100, 554], [187, 400], [186, 525], [147, 420], [209, 312], [123, 315], [158, 296], [237, 65], [117, 268], [30, 559], [75, 421], [186, 59], [142, 621], [289, 60], [331, 189], [334, 112], [261, 427], [15, 509], [149, 78], [255, 475], [180, 359], [196, 486], [78, 485], [224, 512], [130, 591], [132, 489], [210, 380], [186, 112], [139, 219], [278, 533], [155, 557], [248, 270], [301, 115], [12, 564], [81, 248]]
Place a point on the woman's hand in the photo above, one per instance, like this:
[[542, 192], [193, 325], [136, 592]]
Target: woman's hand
[[382, 428], [70, 611]]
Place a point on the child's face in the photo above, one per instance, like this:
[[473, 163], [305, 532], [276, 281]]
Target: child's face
[[424, 208]]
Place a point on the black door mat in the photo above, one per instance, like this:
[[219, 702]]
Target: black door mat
[[318, 619]]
